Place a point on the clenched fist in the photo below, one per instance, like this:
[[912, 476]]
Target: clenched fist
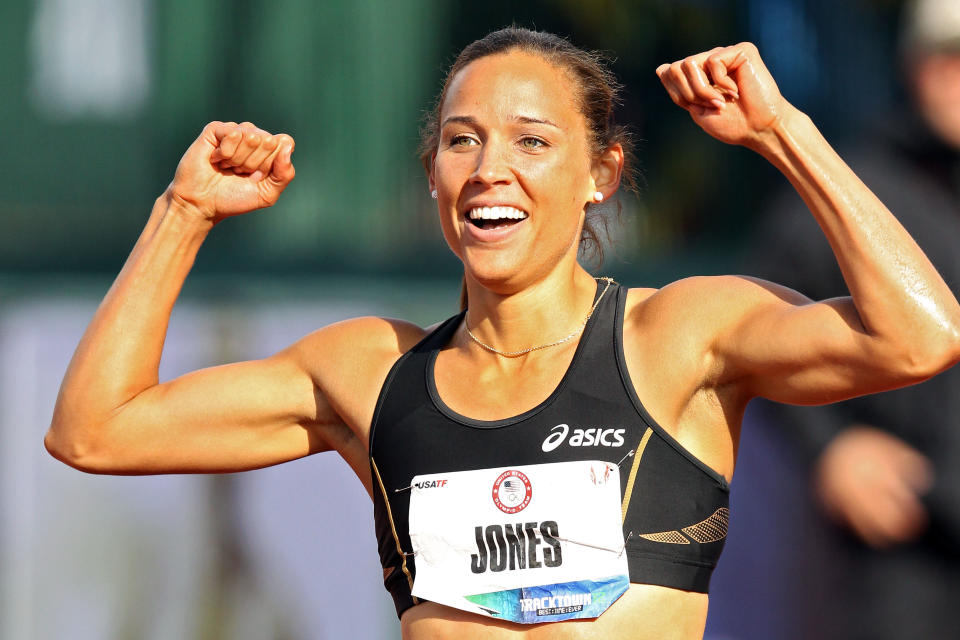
[[728, 92], [232, 169]]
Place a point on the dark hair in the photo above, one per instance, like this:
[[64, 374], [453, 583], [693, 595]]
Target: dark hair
[[598, 94]]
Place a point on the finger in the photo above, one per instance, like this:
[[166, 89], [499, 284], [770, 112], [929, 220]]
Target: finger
[[717, 71], [663, 71], [250, 142], [266, 166], [698, 82], [734, 57], [216, 131], [281, 140], [279, 177], [228, 137], [283, 171], [260, 154], [679, 79], [219, 130]]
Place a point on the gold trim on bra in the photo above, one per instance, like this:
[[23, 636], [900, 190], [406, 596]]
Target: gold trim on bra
[[393, 528]]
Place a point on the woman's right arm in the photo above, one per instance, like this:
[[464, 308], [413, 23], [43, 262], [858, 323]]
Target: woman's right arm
[[112, 414]]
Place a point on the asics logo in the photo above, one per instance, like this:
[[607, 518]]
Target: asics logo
[[583, 437]]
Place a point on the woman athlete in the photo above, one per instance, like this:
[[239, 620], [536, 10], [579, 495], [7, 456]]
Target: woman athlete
[[521, 146]]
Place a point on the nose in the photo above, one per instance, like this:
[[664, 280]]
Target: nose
[[493, 165]]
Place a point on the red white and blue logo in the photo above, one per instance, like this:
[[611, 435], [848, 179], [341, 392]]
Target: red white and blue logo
[[512, 491]]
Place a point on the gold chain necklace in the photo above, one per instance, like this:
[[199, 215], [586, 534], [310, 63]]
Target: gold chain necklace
[[576, 332]]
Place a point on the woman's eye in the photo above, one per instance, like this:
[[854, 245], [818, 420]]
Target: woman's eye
[[532, 143], [462, 141]]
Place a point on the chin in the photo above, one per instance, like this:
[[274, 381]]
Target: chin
[[499, 275]]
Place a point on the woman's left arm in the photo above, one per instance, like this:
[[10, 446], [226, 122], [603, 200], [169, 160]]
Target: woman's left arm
[[901, 324]]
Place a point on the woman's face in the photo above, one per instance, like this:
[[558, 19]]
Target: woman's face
[[513, 169]]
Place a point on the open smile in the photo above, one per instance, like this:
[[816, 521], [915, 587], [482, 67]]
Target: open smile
[[499, 217]]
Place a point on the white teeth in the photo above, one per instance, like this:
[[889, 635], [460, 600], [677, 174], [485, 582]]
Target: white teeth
[[497, 213]]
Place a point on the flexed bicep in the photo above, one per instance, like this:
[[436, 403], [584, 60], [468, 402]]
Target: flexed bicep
[[317, 395], [901, 323], [227, 418], [780, 345]]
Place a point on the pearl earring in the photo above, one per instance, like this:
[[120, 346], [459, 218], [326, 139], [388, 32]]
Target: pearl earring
[[433, 194], [597, 196]]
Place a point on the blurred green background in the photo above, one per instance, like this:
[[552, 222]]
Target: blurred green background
[[100, 98]]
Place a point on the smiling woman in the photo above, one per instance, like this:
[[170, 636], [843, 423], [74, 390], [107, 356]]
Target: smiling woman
[[595, 94], [553, 461]]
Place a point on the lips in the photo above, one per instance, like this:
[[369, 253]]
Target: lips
[[479, 214], [495, 218]]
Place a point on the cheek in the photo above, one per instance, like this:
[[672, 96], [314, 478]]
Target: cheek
[[452, 168], [450, 234], [563, 182]]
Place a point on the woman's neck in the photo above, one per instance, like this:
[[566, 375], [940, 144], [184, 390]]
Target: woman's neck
[[539, 313]]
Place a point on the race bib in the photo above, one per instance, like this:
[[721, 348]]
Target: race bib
[[534, 543]]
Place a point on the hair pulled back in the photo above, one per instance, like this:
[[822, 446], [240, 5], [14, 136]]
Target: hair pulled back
[[597, 95]]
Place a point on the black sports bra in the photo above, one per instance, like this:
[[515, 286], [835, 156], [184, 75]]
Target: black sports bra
[[675, 508]]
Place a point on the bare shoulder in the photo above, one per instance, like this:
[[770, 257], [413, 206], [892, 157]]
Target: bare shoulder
[[691, 321], [706, 301], [356, 345], [368, 333], [348, 362]]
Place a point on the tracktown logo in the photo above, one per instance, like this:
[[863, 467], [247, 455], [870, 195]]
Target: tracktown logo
[[598, 437]]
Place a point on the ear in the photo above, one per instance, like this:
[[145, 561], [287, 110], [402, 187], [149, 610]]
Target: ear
[[606, 170], [429, 164]]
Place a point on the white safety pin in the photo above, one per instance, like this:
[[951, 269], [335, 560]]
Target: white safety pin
[[596, 546]]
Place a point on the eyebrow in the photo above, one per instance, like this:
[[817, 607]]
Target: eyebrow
[[471, 121]]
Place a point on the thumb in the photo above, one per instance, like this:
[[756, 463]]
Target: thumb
[[215, 135], [718, 72]]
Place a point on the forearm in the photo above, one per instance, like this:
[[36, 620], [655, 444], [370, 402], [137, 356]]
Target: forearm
[[119, 354], [900, 298]]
